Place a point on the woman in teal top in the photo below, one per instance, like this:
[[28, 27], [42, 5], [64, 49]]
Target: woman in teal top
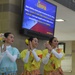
[[8, 56]]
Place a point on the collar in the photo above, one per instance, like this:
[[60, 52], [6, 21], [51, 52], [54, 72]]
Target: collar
[[6, 46]]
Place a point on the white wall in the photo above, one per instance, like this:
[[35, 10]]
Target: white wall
[[67, 62]]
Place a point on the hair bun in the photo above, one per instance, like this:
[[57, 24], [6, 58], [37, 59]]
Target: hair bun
[[27, 41], [1, 37]]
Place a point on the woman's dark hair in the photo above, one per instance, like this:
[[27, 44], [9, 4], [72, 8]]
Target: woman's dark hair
[[31, 38], [51, 39], [6, 34]]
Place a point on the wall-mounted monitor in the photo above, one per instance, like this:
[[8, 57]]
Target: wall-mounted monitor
[[38, 18]]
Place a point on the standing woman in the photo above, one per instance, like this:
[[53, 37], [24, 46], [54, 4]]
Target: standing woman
[[8, 56], [52, 57], [31, 57]]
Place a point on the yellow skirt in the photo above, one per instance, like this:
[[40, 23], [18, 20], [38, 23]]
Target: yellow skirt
[[35, 72]]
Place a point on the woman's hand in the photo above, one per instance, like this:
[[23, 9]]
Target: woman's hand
[[4, 49], [30, 46], [48, 46]]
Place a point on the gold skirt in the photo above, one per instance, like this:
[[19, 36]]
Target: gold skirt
[[34, 72], [55, 72]]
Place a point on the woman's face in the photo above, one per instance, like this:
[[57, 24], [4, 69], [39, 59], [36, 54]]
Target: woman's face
[[54, 43], [9, 39], [35, 42]]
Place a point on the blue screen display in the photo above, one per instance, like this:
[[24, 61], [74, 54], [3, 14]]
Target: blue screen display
[[39, 16]]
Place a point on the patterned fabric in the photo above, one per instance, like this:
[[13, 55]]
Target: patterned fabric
[[34, 72], [9, 73], [55, 72]]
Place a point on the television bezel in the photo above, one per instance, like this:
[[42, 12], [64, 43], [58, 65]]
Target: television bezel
[[32, 33]]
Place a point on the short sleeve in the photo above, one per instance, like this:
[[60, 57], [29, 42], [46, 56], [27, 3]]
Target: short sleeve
[[23, 54], [45, 52]]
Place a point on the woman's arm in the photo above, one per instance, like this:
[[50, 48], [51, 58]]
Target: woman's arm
[[46, 59], [12, 57], [58, 55], [35, 55]]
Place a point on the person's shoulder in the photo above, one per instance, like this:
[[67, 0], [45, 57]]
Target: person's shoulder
[[24, 51], [14, 48], [45, 51]]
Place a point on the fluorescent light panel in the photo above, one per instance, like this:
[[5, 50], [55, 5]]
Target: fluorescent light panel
[[60, 20]]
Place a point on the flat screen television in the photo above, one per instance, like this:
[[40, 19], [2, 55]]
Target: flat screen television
[[38, 18]]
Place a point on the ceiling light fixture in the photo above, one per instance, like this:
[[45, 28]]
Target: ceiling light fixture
[[60, 20]]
